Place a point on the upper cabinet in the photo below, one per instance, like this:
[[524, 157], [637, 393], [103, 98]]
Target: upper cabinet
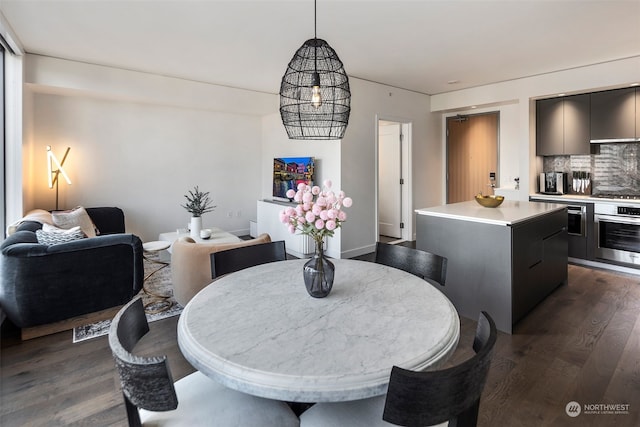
[[549, 127], [562, 125], [614, 117]]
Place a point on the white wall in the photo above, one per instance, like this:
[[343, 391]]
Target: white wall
[[358, 168], [276, 143], [136, 143], [515, 101], [140, 141], [351, 163]]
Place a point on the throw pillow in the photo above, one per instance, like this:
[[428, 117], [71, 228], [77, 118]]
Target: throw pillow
[[73, 218], [54, 237]]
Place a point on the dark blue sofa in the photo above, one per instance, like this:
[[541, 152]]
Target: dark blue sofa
[[43, 284]]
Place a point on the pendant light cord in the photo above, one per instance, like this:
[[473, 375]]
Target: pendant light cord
[[315, 36]]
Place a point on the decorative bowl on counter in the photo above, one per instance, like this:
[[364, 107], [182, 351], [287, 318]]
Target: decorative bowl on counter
[[489, 201]]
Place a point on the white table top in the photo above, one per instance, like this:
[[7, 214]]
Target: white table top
[[258, 331], [217, 236], [510, 212], [155, 246]]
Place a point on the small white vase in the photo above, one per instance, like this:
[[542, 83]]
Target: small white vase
[[195, 227]]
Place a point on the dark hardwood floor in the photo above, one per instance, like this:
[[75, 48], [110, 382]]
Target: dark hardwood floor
[[581, 344]]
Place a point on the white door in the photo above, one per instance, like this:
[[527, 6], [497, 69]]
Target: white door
[[389, 180]]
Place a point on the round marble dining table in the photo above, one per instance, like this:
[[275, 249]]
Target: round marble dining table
[[259, 332]]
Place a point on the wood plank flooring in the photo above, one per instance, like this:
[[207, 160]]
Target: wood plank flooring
[[581, 344]]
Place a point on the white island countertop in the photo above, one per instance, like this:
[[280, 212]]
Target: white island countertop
[[508, 213]]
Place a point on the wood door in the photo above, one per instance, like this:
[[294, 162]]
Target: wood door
[[472, 154]]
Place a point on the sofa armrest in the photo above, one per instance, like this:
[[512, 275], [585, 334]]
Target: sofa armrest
[[42, 284]]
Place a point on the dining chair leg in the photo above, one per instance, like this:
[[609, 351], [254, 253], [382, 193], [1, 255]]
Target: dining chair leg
[[133, 416]]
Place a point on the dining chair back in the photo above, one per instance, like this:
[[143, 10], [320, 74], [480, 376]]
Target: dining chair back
[[453, 394], [419, 398], [139, 375], [415, 261], [231, 260], [151, 396]]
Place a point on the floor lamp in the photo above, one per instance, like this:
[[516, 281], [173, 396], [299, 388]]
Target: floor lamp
[[53, 174]]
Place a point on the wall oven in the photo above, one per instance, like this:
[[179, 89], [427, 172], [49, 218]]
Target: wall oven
[[577, 220], [617, 233]]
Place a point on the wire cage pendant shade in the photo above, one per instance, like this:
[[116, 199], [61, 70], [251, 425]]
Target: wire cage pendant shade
[[315, 99]]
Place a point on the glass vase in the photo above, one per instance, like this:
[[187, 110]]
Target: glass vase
[[318, 273]]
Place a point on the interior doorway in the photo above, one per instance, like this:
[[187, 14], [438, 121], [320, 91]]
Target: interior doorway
[[393, 186], [472, 155]]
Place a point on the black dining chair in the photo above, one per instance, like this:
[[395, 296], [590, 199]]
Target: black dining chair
[[415, 261], [415, 398], [152, 398], [235, 259]]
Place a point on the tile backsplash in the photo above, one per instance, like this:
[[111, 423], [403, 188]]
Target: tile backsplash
[[616, 169]]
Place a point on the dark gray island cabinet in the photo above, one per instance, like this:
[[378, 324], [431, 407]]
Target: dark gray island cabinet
[[503, 260]]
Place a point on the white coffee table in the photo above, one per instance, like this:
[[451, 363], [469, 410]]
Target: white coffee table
[[217, 236]]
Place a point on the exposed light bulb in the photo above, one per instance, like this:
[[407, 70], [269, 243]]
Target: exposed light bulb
[[316, 97]]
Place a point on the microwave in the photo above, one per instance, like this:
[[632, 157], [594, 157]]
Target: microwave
[[553, 183]]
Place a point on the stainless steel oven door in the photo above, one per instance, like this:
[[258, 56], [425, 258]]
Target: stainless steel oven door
[[618, 238]]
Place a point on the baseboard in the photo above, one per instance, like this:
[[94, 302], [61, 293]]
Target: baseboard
[[240, 232], [352, 253], [68, 324], [605, 266]]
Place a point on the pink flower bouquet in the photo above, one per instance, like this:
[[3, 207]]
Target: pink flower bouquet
[[319, 212]]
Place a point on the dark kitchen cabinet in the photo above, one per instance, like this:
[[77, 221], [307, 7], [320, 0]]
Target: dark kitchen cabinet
[[613, 115], [580, 245], [503, 269], [540, 258], [549, 127], [562, 125], [576, 124]]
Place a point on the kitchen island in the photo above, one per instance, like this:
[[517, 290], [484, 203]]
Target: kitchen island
[[503, 260]]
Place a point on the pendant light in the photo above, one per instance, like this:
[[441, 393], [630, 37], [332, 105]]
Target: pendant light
[[315, 99]]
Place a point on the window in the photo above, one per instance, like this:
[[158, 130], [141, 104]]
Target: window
[[3, 214]]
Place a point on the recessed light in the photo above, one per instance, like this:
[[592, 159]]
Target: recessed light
[[473, 106], [634, 84], [453, 82], [561, 94]]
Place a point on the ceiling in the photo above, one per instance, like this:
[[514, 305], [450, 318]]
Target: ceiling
[[425, 46]]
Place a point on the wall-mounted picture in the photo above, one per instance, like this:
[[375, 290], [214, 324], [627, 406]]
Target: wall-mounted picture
[[288, 172]]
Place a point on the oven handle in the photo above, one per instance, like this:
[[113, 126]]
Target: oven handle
[[577, 209], [617, 219]]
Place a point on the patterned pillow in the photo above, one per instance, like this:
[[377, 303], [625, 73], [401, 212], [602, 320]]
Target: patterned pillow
[[53, 237], [74, 217]]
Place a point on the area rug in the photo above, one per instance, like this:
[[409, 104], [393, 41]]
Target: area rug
[[158, 283]]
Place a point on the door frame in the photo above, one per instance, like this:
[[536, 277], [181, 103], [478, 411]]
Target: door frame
[[407, 173], [446, 147]]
